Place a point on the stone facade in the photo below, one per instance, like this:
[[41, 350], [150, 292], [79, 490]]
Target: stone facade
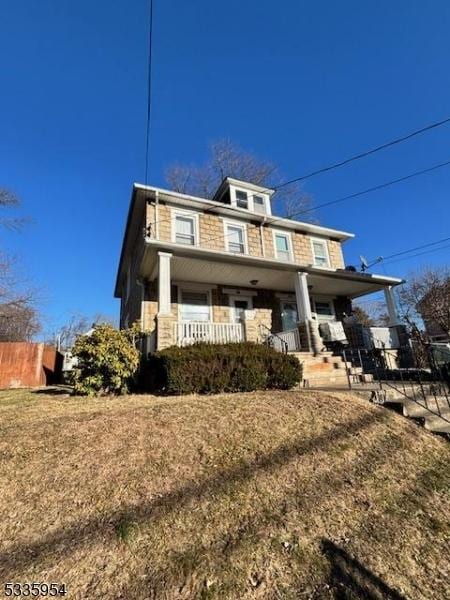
[[211, 235]]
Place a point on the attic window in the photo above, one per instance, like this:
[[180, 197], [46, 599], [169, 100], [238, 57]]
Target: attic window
[[241, 199], [258, 204]]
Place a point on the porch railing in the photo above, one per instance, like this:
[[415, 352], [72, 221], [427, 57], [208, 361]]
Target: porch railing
[[192, 332], [284, 341]]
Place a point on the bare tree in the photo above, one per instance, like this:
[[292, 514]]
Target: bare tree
[[426, 297], [227, 159], [19, 320], [8, 200], [371, 314], [78, 325]]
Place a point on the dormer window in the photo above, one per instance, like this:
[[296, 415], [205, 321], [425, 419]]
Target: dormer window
[[241, 199], [245, 195], [259, 205]]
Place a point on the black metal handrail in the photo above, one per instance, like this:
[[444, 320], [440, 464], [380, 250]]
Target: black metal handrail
[[272, 336], [412, 384]]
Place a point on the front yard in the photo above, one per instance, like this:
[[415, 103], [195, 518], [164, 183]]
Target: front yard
[[260, 495]]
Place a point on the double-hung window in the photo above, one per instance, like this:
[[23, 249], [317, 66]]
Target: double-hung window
[[185, 229], [320, 253], [259, 205], [241, 199], [282, 246], [194, 306], [235, 235]]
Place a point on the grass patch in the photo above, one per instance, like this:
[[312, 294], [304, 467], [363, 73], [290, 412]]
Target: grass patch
[[258, 495]]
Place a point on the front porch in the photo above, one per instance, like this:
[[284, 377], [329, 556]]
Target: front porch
[[187, 299]]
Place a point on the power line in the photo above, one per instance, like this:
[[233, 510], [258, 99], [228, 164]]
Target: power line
[[373, 189], [364, 154], [418, 254], [342, 199], [416, 248], [149, 90]]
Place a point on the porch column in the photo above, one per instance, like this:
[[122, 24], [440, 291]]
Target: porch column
[[165, 320], [303, 309], [164, 307], [390, 303], [302, 297]]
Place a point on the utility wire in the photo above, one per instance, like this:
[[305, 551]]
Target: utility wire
[[373, 189], [351, 196], [342, 199], [366, 153], [149, 90], [416, 248], [418, 254]]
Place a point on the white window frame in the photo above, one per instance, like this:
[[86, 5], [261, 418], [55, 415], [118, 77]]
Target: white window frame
[[227, 223], [327, 254], [250, 200], [231, 300], [199, 289], [186, 214], [288, 236], [324, 300]]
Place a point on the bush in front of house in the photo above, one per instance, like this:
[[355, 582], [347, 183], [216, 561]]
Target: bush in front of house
[[107, 361], [215, 368]]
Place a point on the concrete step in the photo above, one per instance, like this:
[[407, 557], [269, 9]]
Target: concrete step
[[325, 380], [437, 424]]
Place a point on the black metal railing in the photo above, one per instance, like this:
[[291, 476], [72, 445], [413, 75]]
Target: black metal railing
[[428, 387]]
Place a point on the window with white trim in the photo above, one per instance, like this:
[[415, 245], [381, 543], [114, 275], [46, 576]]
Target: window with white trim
[[235, 236], [194, 306], [320, 253], [185, 229], [241, 199], [259, 206], [282, 245], [324, 308]]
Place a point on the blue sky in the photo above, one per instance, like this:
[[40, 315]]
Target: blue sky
[[300, 83]]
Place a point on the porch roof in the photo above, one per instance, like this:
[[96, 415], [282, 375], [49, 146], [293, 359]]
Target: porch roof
[[197, 265]]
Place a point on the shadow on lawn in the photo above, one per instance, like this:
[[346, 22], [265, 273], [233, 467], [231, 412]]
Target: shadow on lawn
[[54, 391], [77, 535], [350, 579]]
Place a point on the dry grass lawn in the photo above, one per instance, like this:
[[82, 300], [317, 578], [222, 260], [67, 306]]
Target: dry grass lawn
[[264, 495]]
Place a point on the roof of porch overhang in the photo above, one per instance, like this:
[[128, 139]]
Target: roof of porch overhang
[[197, 265]]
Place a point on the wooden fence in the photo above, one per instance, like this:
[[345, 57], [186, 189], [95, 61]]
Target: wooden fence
[[26, 364]]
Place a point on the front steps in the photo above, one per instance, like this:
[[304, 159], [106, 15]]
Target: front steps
[[325, 370], [433, 411]]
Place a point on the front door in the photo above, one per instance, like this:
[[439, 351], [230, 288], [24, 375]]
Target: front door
[[238, 307], [289, 315]]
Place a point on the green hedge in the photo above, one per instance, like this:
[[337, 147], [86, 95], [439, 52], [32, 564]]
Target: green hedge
[[213, 368]]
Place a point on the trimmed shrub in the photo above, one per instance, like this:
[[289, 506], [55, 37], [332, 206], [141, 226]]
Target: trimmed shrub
[[214, 368], [107, 361]]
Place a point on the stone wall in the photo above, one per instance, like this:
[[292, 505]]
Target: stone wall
[[212, 236]]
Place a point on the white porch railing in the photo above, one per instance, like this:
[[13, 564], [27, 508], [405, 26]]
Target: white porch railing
[[291, 338], [283, 341], [190, 332]]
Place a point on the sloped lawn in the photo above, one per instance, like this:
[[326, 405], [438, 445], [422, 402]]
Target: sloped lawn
[[263, 495]]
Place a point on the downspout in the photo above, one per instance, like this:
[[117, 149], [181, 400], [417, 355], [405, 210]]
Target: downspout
[[261, 236], [157, 214]]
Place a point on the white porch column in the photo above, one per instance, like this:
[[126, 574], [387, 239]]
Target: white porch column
[[302, 297], [390, 303], [164, 307]]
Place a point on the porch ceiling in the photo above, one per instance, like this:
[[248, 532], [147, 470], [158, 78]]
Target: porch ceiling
[[280, 277]]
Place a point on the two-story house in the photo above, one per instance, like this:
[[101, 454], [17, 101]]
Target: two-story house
[[227, 270]]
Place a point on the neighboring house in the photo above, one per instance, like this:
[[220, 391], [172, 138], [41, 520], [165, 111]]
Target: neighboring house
[[226, 270]]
